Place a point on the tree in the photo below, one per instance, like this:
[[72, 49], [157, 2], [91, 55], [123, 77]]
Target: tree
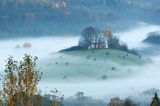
[[108, 34], [91, 38], [129, 102], [10, 84], [89, 35], [21, 80], [56, 101], [155, 101], [113, 42], [115, 102]]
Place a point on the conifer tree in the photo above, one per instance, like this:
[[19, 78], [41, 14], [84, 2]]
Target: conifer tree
[[155, 101]]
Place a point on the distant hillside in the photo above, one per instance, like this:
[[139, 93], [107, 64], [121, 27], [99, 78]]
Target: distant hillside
[[49, 17], [153, 38]]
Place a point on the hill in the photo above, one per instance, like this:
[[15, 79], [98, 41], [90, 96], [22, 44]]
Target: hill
[[153, 38], [100, 64]]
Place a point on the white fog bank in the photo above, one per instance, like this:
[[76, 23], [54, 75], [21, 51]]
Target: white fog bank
[[145, 77], [134, 37], [40, 47]]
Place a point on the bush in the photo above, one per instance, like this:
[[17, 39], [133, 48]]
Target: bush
[[65, 77], [113, 68], [129, 102], [66, 63], [123, 57], [104, 77], [107, 53]]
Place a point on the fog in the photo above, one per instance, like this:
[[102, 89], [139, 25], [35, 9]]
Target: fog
[[146, 76], [41, 47], [134, 37]]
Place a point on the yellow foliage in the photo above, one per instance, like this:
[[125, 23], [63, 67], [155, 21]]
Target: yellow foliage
[[21, 81]]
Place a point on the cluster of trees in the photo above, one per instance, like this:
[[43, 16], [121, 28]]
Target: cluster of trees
[[115, 43], [79, 99], [118, 102], [92, 38]]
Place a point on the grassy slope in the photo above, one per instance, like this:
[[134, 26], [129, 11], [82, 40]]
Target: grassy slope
[[76, 66]]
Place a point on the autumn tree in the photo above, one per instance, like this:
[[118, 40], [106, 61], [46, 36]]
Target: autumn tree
[[21, 80], [57, 100], [10, 85], [108, 34]]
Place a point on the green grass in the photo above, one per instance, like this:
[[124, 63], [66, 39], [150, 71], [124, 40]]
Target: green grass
[[112, 55], [76, 66]]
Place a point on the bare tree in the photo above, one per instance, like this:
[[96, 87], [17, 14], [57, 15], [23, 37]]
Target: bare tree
[[92, 38], [89, 36]]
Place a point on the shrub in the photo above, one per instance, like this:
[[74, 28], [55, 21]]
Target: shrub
[[107, 53], [129, 102], [104, 77], [113, 68], [66, 63], [65, 77]]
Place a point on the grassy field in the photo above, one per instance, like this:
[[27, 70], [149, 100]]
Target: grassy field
[[100, 64]]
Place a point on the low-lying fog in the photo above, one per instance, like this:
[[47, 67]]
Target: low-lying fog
[[41, 47], [133, 37], [146, 77]]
